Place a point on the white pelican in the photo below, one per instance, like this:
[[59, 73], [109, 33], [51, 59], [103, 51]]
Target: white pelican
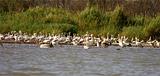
[[138, 43], [105, 42], [121, 44], [156, 44], [1, 37], [75, 42], [98, 40], [86, 43], [54, 42], [45, 45]]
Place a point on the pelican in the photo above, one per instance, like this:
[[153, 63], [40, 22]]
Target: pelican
[[138, 43], [46, 44], [86, 44], [1, 38], [150, 42], [105, 42], [75, 42], [125, 41], [91, 41], [54, 42], [121, 44], [156, 43], [67, 40], [98, 40]]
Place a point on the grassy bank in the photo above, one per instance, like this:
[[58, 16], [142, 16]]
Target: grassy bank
[[92, 20]]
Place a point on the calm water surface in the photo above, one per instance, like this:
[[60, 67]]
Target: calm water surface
[[30, 60]]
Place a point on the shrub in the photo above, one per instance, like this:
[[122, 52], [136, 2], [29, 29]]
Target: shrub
[[39, 19], [118, 20], [153, 29], [91, 19]]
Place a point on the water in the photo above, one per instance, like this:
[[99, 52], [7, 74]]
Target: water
[[30, 60]]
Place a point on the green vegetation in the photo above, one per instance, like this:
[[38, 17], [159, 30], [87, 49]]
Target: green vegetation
[[91, 19]]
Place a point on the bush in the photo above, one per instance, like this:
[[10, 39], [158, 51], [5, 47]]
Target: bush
[[91, 19], [118, 19], [153, 29], [39, 19]]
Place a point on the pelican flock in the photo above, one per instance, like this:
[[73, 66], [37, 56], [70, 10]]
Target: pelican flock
[[87, 40]]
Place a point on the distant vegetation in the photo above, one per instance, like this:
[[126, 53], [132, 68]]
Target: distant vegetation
[[24, 15]]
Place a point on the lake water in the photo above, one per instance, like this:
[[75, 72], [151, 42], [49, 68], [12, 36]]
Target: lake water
[[30, 60]]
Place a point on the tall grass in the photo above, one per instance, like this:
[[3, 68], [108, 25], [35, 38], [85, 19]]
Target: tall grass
[[153, 28], [135, 27], [91, 19], [117, 21], [133, 31]]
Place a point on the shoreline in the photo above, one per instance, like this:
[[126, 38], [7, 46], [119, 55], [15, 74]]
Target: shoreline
[[145, 45]]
